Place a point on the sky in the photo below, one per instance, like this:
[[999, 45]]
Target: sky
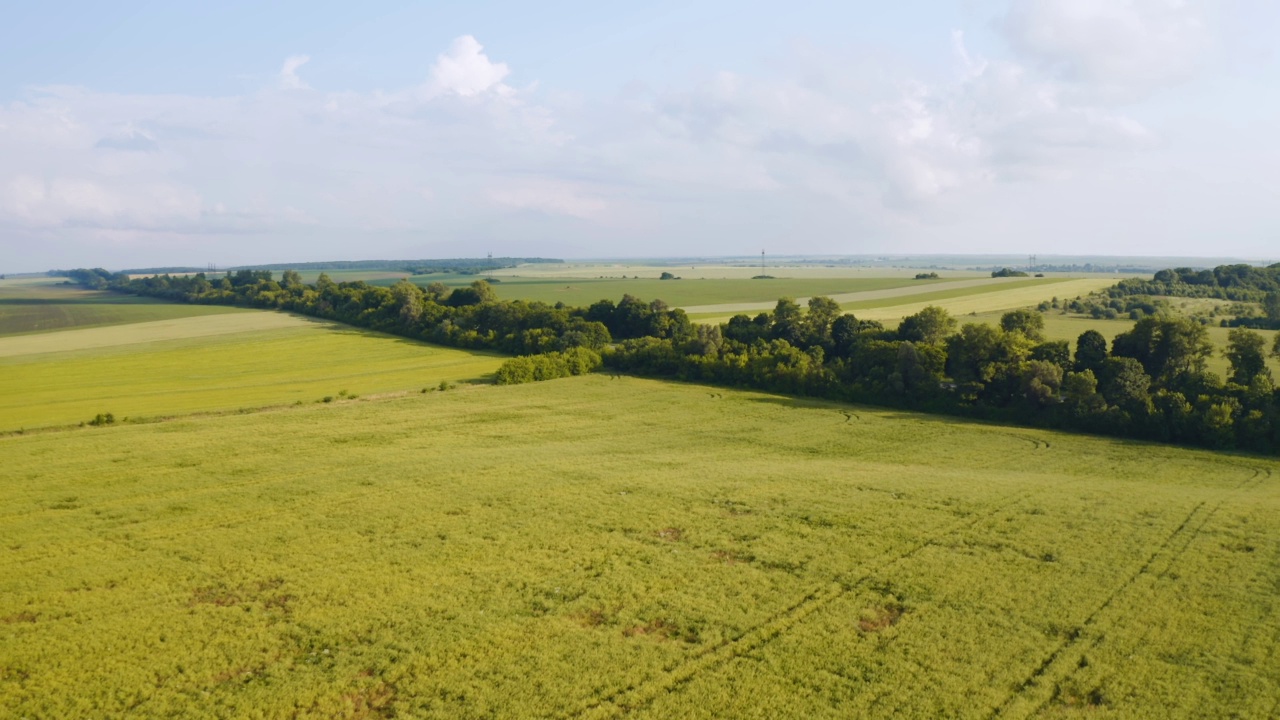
[[144, 134]]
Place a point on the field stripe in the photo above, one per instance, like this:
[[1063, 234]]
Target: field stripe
[[940, 289], [135, 333]]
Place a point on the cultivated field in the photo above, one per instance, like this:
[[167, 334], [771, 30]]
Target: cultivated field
[[244, 359], [601, 547], [34, 305], [693, 294]]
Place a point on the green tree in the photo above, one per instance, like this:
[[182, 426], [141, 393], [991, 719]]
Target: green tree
[[1091, 351], [1028, 322], [1080, 393], [788, 323], [438, 291], [1166, 346], [1246, 350], [1271, 306], [971, 352], [1127, 385], [844, 335], [1057, 352], [823, 312], [1041, 381], [410, 299], [931, 325]]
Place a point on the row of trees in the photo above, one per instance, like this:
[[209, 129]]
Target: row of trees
[[1246, 283], [1150, 382], [470, 316]]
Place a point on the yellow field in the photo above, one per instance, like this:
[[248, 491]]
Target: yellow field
[[218, 362], [609, 548]]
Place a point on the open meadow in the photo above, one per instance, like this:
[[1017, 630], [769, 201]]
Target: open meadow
[[599, 547]]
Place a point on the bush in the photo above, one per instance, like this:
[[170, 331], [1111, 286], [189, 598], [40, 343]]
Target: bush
[[103, 419], [549, 366]]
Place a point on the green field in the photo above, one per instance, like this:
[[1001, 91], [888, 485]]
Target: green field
[[207, 363], [46, 305], [679, 293], [600, 547]]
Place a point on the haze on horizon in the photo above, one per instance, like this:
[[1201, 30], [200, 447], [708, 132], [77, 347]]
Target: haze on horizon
[[151, 134]]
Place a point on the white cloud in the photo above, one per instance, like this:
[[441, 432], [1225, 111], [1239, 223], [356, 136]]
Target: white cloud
[[1115, 45], [465, 70], [289, 79], [828, 152]]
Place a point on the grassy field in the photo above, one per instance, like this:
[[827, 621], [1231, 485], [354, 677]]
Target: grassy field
[[717, 270], [223, 362], [35, 305], [601, 547], [961, 297], [681, 293]]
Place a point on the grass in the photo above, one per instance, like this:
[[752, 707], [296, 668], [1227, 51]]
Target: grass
[[225, 362], [598, 548], [959, 297], [677, 293], [45, 305]]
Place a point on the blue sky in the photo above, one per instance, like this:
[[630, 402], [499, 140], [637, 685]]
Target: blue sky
[[181, 133]]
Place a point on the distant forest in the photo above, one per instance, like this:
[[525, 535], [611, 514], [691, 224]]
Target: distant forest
[[461, 266], [1239, 283], [1149, 383]]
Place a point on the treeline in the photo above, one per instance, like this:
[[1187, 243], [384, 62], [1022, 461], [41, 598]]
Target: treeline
[[1239, 283], [1149, 383], [467, 317], [1245, 283], [462, 266]]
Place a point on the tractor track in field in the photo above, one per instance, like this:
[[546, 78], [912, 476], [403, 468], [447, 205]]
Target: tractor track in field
[[1081, 633], [637, 696]]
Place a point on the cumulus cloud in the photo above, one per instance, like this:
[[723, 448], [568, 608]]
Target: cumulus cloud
[[288, 78], [465, 69], [818, 148]]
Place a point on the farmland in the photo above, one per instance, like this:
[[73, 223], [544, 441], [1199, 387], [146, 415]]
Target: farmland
[[704, 552], [681, 293], [219, 362], [45, 305]]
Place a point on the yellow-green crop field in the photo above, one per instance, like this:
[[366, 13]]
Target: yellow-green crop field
[[597, 547], [37, 305], [691, 292], [246, 359]]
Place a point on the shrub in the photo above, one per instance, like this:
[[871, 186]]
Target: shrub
[[548, 366]]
